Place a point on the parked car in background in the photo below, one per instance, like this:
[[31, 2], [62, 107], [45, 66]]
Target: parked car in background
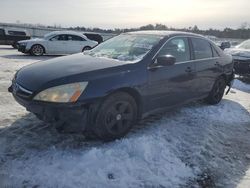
[[12, 36], [57, 43], [224, 45], [222, 42], [107, 89], [94, 36], [241, 57]]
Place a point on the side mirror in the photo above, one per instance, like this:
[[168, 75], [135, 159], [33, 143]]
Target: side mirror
[[165, 60], [225, 45]]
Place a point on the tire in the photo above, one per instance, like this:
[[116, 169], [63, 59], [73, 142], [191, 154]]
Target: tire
[[217, 92], [37, 50], [116, 116], [15, 45], [86, 48]]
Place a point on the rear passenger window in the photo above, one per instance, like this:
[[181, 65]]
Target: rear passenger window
[[74, 38], [202, 48], [177, 47], [215, 53]]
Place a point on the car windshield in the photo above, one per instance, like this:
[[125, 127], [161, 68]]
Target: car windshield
[[48, 35], [126, 47], [245, 45]]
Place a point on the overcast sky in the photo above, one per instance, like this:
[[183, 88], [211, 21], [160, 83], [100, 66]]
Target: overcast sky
[[127, 13]]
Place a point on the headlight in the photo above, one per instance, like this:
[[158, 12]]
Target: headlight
[[23, 44], [63, 93]]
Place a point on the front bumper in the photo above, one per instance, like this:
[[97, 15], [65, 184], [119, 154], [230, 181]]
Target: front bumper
[[73, 115], [22, 48]]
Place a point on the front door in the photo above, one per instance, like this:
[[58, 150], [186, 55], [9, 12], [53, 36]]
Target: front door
[[57, 44], [173, 84]]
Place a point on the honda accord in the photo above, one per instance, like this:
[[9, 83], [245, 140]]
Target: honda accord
[[108, 89]]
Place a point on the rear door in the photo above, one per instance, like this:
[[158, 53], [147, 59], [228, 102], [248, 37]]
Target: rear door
[[174, 84], [57, 44], [75, 44], [207, 65]]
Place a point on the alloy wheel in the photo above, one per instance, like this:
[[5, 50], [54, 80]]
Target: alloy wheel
[[37, 50], [119, 117]]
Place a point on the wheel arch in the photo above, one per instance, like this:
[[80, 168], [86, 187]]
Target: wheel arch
[[225, 77], [133, 93], [88, 46], [44, 50]]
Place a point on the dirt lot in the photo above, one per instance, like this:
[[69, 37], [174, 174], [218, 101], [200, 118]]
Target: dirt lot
[[192, 146]]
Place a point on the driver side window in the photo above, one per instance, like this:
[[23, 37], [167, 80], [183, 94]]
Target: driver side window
[[177, 47]]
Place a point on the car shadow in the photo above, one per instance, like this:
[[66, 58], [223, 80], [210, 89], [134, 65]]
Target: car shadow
[[242, 84], [7, 48], [29, 133], [23, 56], [190, 135]]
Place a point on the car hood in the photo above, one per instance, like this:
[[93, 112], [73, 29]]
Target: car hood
[[32, 40], [60, 70], [239, 52]]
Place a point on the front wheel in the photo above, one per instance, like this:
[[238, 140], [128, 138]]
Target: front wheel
[[217, 91], [116, 116], [37, 50]]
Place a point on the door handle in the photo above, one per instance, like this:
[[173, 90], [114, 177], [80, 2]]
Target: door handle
[[189, 70]]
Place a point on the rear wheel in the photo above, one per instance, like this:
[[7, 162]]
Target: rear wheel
[[86, 48], [37, 50], [217, 91], [116, 116]]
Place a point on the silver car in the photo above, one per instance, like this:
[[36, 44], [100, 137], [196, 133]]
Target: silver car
[[57, 43]]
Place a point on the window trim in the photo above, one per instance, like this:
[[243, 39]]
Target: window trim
[[191, 61], [214, 50]]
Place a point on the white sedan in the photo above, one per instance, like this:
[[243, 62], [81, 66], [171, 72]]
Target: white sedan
[[57, 43]]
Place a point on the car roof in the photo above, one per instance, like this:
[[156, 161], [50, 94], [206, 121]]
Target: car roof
[[67, 33], [163, 33], [91, 33]]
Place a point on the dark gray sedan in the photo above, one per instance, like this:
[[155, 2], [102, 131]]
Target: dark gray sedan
[[107, 89]]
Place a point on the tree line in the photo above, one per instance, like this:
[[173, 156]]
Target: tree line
[[243, 32]]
